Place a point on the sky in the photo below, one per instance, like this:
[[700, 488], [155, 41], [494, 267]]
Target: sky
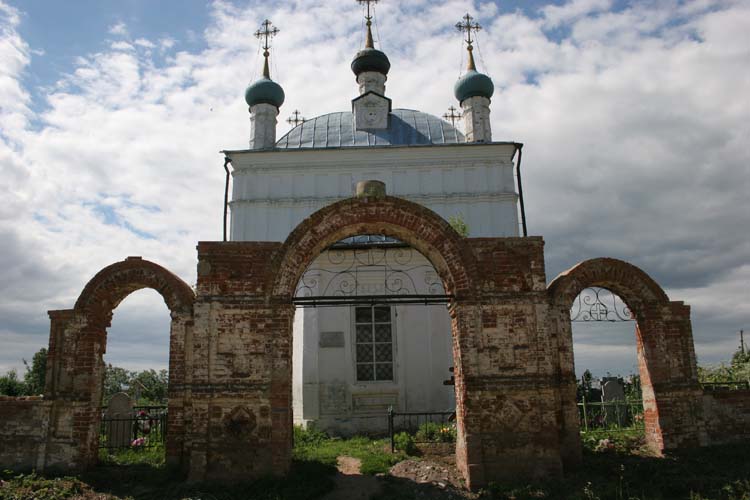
[[635, 119]]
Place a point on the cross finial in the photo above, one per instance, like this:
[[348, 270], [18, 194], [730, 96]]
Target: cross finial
[[296, 119], [266, 33], [452, 115], [466, 25], [368, 42]]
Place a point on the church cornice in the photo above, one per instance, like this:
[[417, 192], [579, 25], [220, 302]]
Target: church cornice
[[424, 199], [496, 153]]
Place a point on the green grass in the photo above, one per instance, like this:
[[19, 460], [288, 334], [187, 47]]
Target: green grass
[[153, 456], [315, 446]]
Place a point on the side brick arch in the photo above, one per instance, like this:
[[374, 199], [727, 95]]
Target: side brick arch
[[664, 342], [78, 338]]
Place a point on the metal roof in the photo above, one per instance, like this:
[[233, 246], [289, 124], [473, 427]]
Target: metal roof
[[406, 127]]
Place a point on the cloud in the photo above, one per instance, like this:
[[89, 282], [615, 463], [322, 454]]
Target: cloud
[[634, 120], [118, 29]]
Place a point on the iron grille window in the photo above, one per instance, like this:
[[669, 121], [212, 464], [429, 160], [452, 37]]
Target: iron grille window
[[374, 343]]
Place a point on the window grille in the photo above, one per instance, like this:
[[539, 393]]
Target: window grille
[[374, 343]]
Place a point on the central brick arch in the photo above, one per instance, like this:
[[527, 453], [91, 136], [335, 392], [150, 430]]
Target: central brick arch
[[664, 341], [409, 222]]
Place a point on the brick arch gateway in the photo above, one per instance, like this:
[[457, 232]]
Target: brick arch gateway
[[672, 396], [231, 358]]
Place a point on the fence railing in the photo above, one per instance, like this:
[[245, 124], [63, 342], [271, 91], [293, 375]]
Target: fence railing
[[411, 422], [726, 386], [612, 415], [145, 428]]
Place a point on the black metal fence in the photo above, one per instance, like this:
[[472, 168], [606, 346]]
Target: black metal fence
[[414, 424], [613, 415], [145, 428], [726, 386]]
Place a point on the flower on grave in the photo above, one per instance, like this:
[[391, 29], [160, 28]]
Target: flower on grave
[[138, 443]]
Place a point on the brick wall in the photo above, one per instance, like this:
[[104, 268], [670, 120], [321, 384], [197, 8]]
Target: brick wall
[[727, 416], [23, 431]]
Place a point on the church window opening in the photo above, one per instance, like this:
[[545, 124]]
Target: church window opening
[[374, 343]]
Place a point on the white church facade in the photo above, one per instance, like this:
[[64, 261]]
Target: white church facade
[[370, 331]]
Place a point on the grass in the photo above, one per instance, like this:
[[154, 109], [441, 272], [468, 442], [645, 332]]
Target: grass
[[152, 456], [619, 470], [316, 446]]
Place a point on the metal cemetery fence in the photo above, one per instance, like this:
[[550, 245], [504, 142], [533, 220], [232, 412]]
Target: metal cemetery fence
[[411, 422], [145, 428], [613, 415], [726, 386]]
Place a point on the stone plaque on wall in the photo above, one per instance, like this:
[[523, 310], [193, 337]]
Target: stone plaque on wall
[[331, 339]]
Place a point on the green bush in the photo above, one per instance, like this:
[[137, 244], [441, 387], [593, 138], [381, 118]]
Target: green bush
[[433, 432], [308, 436], [405, 443]]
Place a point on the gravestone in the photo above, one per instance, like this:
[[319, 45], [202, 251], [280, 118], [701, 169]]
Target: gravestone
[[613, 389], [119, 421]]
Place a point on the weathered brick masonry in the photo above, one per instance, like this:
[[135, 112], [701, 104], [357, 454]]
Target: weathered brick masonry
[[231, 368]]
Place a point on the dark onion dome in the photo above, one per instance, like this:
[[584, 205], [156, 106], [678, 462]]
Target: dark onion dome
[[473, 84], [369, 59], [264, 91]]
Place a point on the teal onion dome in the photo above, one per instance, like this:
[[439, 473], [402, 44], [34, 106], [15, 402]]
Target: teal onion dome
[[473, 84], [370, 59], [264, 91]]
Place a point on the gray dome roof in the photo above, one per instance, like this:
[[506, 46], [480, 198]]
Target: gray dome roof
[[336, 130]]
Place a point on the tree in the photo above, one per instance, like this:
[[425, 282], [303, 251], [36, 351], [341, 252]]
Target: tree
[[116, 380], [149, 386], [35, 373], [10, 385]]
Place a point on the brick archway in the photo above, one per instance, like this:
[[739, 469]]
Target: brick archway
[[409, 222], [428, 233], [664, 341], [75, 366], [110, 286]]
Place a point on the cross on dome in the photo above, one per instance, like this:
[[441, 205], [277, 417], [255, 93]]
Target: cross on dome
[[267, 32], [466, 25], [368, 42], [295, 119], [452, 116]]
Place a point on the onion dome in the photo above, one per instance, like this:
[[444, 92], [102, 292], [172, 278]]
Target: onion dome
[[473, 84], [369, 58], [264, 91]]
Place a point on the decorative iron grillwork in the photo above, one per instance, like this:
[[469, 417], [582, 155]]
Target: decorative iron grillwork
[[599, 304], [370, 270]]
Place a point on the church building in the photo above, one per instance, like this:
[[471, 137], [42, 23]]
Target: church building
[[372, 330]]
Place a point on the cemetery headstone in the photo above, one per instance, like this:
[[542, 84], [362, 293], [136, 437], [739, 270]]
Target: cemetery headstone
[[119, 423]]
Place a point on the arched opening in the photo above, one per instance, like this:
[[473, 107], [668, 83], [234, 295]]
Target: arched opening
[[437, 247], [78, 342], [372, 345], [609, 396], [666, 358], [134, 402]]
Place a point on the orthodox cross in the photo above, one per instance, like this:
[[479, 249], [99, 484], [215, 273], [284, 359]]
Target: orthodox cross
[[368, 42], [468, 26], [452, 116], [267, 32], [295, 119]]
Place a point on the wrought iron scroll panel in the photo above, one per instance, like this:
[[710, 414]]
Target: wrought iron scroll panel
[[370, 274], [599, 304]]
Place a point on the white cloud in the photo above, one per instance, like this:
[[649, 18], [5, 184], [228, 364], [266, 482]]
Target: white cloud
[[118, 29], [555, 15], [635, 127]]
